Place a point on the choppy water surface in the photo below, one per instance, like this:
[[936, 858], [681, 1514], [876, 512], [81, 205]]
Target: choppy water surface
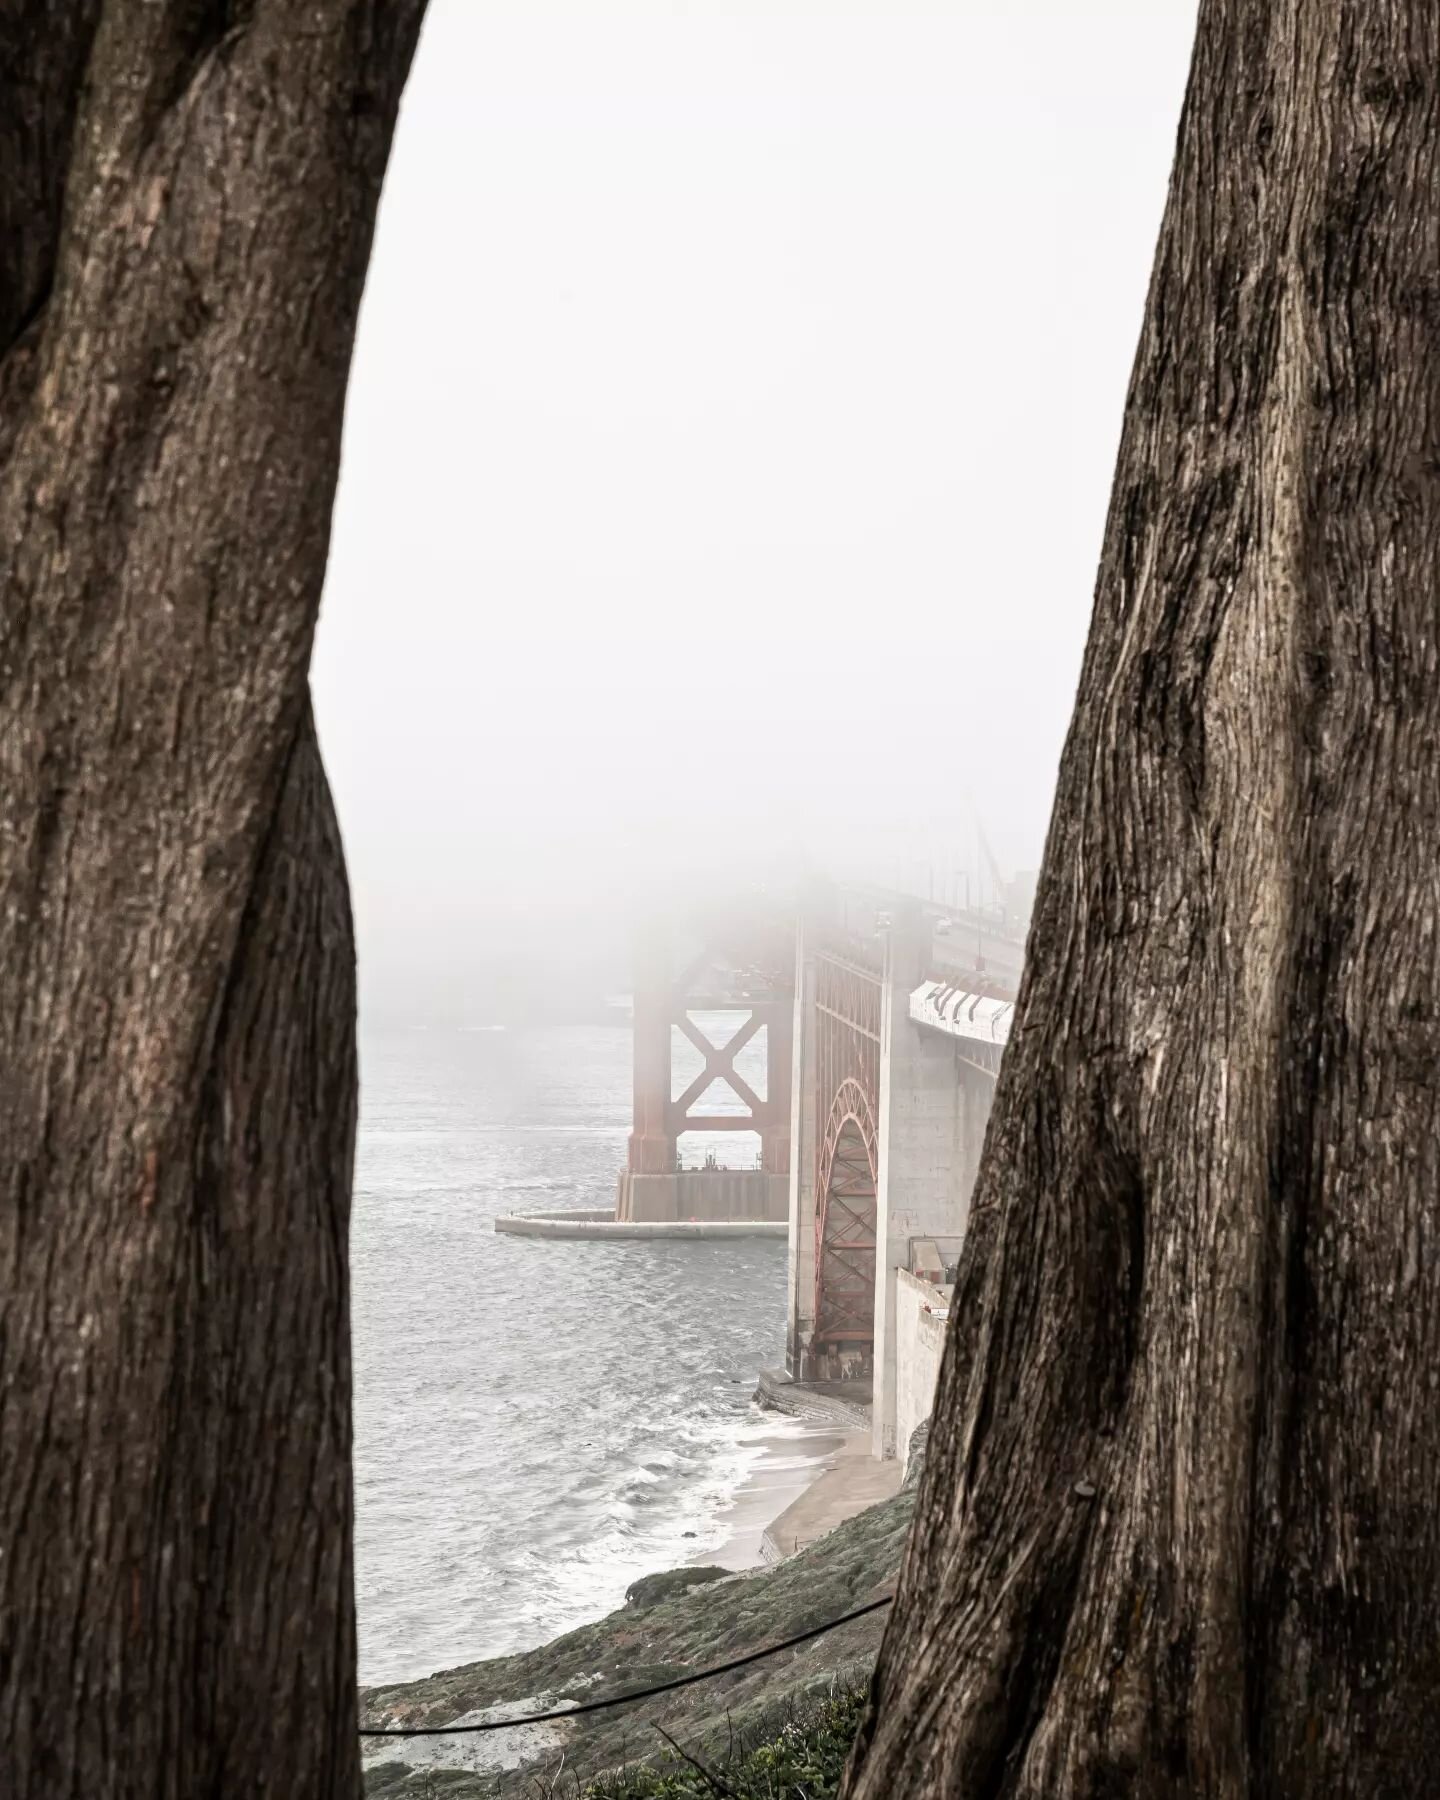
[[536, 1423]]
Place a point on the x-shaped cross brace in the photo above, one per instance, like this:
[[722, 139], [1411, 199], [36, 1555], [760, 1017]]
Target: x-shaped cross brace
[[719, 1065]]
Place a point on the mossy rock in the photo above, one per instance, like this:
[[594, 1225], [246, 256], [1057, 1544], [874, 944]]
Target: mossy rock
[[650, 1590], [385, 1778]]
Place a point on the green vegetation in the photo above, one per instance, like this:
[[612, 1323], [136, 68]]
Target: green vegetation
[[803, 1761]]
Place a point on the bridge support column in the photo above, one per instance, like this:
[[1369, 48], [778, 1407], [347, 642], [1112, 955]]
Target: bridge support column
[[800, 1312], [744, 972], [652, 1134], [924, 1164]]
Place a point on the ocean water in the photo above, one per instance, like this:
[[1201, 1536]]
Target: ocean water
[[537, 1423]]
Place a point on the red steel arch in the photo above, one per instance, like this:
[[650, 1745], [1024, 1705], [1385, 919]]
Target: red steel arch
[[845, 1249], [847, 1002]]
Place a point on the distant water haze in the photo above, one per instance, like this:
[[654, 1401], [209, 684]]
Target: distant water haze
[[726, 459]]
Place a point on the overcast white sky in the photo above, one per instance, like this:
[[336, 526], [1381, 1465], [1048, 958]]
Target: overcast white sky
[[728, 448]]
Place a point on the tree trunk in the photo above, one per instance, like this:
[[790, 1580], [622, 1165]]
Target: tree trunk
[[187, 195], [1179, 1531]]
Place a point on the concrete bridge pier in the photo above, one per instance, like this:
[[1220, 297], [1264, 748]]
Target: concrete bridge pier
[[926, 1152], [901, 1011]]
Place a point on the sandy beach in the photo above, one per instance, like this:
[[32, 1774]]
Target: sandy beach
[[811, 1476]]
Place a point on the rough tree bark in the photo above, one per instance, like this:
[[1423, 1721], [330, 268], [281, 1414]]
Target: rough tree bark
[[1179, 1531], [187, 196]]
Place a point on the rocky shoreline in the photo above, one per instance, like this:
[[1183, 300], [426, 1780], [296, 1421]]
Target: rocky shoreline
[[685, 1619]]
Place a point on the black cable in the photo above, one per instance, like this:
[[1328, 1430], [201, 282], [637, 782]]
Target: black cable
[[665, 1687]]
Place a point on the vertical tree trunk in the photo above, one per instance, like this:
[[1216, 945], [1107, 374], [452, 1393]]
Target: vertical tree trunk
[[187, 195], [1179, 1531]]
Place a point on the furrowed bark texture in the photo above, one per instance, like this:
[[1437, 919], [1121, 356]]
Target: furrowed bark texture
[[187, 196], [1178, 1533]]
